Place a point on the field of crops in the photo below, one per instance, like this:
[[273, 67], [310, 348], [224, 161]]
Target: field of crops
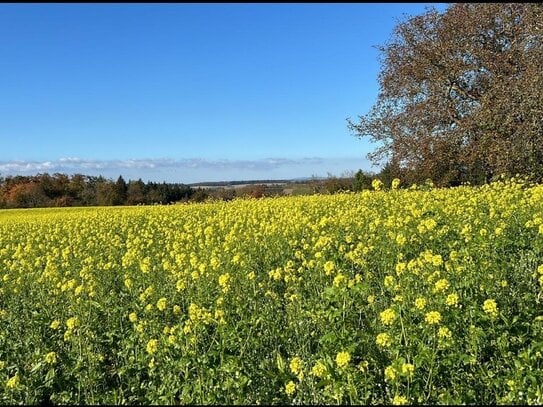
[[412, 296]]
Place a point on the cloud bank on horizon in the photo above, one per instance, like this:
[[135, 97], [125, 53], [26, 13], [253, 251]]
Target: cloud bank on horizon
[[190, 169], [76, 164]]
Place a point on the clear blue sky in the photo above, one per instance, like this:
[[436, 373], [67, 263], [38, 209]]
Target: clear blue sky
[[189, 92]]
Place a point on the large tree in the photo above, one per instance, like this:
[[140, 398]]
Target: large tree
[[461, 94]]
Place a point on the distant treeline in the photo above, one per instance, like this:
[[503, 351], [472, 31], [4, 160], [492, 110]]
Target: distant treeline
[[44, 190]]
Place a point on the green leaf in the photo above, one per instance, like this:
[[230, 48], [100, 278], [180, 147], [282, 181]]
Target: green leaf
[[280, 362]]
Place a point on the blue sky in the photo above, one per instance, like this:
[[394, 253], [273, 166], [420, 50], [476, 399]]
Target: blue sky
[[189, 92]]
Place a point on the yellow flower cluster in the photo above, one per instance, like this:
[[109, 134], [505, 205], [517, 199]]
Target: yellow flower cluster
[[72, 323], [444, 332], [152, 346], [387, 316], [161, 304], [296, 366], [13, 382], [319, 369], [224, 282], [329, 267], [377, 184], [343, 359], [390, 373], [441, 285], [408, 369], [51, 358], [420, 303], [290, 388], [399, 400], [433, 317], [452, 300], [383, 340], [490, 307]]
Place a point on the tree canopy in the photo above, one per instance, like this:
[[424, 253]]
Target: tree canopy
[[461, 95], [44, 190]]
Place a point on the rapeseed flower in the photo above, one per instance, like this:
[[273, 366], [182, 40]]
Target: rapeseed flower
[[377, 184], [390, 373], [433, 317], [490, 307], [219, 316], [399, 400], [72, 323], [290, 388], [51, 358], [224, 282], [389, 281], [363, 366], [437, 260], [338, 279], [441, 285], [383, 340], [444, 333], [161, 304], [319, 369], [420, 303], [13, 382], [180, 285], [152, 346], [388, 316], [408, 369], [452, 300], [152, 364], [296, 365], [329, 267], [343, 359]]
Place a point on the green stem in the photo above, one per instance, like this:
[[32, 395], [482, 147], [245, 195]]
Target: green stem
[[428, 387], [403, 329]]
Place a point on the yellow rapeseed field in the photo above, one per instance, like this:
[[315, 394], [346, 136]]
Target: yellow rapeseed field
[[394, 296]]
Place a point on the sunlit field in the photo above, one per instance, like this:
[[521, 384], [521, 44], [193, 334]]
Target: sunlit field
[[416, 295]]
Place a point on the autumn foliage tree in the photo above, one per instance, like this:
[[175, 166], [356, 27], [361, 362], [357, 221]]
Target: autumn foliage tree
[[43, 190], [461, 94]]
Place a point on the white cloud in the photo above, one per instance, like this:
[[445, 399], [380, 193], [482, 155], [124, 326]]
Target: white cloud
[[71, 164], [190, 170]]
